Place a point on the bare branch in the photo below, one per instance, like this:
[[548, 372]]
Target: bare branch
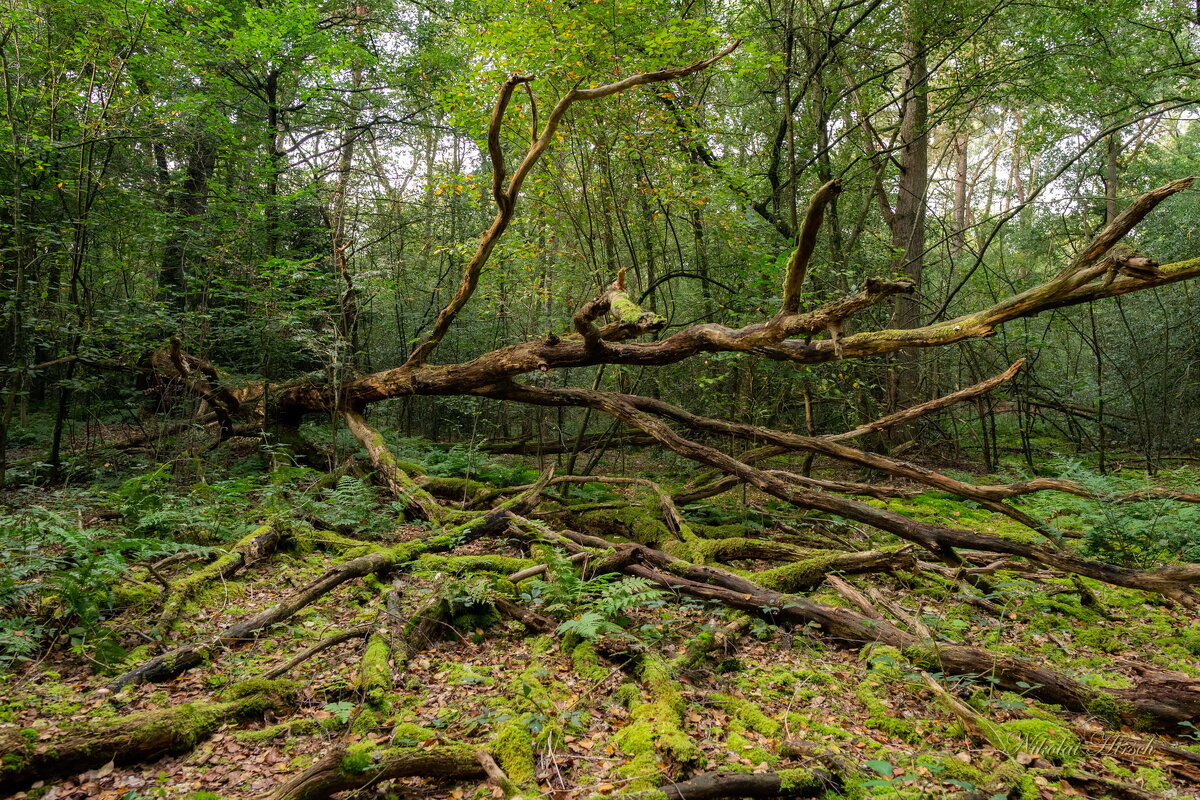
[[495, 150], [506, 198], [806, 242]]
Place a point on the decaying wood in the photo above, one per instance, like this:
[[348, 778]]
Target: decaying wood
[[330, 775], [347, 635], [417, 501], [257, 545], [380, 562], [131, 738]]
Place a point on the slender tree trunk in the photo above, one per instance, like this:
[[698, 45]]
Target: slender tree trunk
[[1111, 176], [189, 206], [958, 237], [908, 228]]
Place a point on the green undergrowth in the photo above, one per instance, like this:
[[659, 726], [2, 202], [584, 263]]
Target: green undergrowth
[[609, 699]]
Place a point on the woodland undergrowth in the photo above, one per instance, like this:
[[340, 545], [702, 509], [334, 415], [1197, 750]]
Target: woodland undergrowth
[[577, 681]]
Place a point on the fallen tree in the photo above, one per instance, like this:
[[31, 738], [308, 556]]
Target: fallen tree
[[676, 558]]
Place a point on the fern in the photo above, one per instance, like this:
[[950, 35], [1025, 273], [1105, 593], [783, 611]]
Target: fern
[[589, 608], [1142, 533], [589, 625], [70, 571]]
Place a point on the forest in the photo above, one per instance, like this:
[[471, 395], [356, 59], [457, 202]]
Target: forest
[[586, 399]]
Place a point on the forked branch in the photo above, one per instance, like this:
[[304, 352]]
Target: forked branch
[[506, 196]]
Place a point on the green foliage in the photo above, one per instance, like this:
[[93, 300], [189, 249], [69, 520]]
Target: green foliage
[[341, 710], [353, 506], [593, 607], [153, 505], [1130, 533], [63, 576], [463, 461]]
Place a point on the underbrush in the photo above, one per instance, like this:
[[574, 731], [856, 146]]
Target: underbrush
[[1128, 532], [74, 560]]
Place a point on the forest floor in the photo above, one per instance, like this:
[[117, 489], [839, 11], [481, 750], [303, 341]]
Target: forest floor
[[769, 698]]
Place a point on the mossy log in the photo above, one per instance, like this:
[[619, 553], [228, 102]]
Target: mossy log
[[417, 502], [356, 632], [364, 765], [719, 785], [379, 561], [135, 737], [258, 544]]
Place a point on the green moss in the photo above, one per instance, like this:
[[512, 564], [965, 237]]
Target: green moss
[[885, 661], [366, 721], [279, 687], [198, 582], [475, 617], [512, 748], [748, 714], [627, 312], [1047, 739], [408, 733], [299, 727], [635, 523], [139, 595], [627, 694], [798, 575], [799, 780], [950, 767], [1100, 639], [205, 796], [459, 565], [1100, 679], [1153, 779], [411, 467], [923, 655], [360, 757], [220, 592], [333, 542], [881, 717], [741, 746], [587, 663], [375, 672], [1104, 706], [733, 531], [377, 587], [654, 731], [468, 675], [456, 488]]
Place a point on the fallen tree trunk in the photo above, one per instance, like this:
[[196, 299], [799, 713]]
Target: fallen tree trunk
[[416, 501], [381, 561], [133, 738], [260, 543], [364, 765]]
